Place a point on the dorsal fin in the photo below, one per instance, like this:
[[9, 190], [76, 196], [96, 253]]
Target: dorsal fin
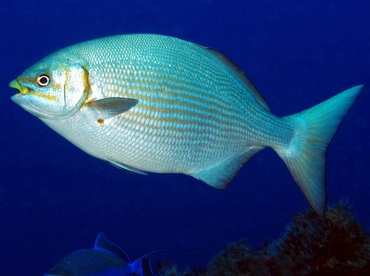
[[103, 243], [238, 71]]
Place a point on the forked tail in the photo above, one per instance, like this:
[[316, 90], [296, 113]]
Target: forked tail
[[305, 155]]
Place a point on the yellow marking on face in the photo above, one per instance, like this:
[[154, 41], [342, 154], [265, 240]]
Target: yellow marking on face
[[45, 96], [54, 86]]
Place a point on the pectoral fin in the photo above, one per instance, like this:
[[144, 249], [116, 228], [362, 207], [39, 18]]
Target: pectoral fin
[[110, 107]]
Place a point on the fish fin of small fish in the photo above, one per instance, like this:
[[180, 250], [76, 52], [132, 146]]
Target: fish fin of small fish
[[305, 156], [221, 174], [234, 67], [110, 107], [143, 266], [102, 242], [126, 167]]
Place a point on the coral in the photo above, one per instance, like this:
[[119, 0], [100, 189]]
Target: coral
[[239, 259], [330, 245], [336, 244]]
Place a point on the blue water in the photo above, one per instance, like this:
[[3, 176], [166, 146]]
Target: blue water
[[55, 199]]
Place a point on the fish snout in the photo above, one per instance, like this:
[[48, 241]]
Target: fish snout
[[22, 89]]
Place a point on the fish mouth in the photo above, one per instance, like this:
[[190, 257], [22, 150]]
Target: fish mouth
[[24, 99], [24, 90]]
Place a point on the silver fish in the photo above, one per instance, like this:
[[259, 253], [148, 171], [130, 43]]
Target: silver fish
[[152, 103]]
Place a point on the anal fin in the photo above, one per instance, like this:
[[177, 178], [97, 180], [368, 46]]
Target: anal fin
[[221, 174]]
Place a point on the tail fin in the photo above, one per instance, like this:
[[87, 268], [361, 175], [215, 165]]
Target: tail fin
[[305, 155]]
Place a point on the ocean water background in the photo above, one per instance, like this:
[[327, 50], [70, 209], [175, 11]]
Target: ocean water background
[[55, 199]]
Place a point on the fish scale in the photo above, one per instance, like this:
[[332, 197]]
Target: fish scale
[[196, 112], [160, 104], [172, 108]]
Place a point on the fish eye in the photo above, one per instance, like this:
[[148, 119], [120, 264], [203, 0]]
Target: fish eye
[[42, 80]]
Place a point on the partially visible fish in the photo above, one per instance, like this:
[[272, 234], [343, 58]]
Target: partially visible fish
[[160, 104], [104, 259]]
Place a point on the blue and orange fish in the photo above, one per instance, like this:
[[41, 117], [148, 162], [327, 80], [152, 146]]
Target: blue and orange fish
[[104, 259]]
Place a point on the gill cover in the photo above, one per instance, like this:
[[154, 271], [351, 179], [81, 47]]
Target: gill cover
[[75, 89]]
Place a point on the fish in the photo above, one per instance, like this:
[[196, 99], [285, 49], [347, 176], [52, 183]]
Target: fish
[[104, 259], [155, 103]]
